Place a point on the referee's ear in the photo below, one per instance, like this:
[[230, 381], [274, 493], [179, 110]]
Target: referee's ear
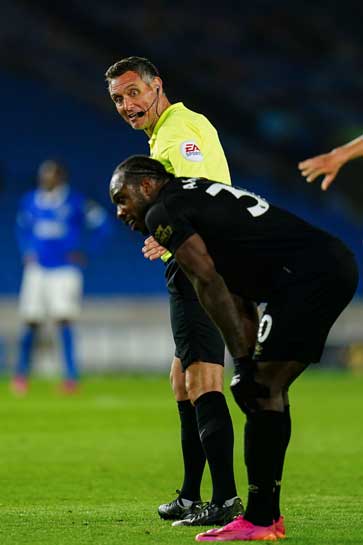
[[157, 85]]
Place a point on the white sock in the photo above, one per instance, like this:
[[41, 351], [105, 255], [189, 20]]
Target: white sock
[[184, 502], [229, 502]]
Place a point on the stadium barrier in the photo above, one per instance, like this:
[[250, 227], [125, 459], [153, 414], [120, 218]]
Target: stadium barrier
[[126, 334]]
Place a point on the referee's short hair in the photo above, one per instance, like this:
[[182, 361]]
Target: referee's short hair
[[142, 66]]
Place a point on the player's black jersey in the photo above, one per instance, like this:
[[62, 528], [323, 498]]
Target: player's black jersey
[[255, 246]]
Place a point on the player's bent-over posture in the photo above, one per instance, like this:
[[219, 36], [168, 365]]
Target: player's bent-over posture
[[230, 242], [187, 144]]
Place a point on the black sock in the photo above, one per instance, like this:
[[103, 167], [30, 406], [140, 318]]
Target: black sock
[[193, 453], [280, 464], [216, 434], [264, 435]]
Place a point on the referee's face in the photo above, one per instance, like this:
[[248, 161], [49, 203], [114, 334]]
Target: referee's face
[[135, 100]]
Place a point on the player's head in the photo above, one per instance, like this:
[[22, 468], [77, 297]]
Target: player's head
[[134, 186], [136, 89], [51, 174]]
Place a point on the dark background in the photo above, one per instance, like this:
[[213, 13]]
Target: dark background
[[280, 80]]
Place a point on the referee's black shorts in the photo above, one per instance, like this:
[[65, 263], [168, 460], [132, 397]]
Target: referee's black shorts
[[195, 335], [297, 318]]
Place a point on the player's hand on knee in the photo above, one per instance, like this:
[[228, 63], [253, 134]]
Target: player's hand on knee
[[245, 389], [152, 249]]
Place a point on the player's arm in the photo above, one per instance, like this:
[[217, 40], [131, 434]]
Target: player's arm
[[98, 224], [330, 163], [24, 224], [213, 294]]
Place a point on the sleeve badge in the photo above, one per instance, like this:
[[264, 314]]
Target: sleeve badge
[[191, 151], [163, 234]]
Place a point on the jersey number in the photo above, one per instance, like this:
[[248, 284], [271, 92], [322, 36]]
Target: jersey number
[[264, 328], [256, 210]]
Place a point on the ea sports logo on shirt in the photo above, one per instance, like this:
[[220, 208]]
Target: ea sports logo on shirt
[[191, 151]]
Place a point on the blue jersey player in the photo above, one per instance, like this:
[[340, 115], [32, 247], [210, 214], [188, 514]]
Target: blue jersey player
[[50, 224]]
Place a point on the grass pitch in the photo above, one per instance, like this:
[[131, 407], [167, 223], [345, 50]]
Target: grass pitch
[[91, 469]]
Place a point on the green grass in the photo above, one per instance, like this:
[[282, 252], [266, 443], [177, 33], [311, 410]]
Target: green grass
[[91, 469]]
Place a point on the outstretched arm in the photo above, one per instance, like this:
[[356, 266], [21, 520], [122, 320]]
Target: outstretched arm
[[213, 294], [330, 163]]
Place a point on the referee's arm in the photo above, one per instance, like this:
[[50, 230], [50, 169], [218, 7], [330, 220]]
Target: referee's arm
[[181, 167]]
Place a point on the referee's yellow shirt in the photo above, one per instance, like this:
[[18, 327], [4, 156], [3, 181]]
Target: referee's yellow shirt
[[187, 144]]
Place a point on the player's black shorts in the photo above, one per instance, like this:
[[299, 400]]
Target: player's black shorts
[[297, 319], [195, 335]]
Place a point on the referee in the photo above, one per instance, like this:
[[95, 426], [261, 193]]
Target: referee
[[187, 144]]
